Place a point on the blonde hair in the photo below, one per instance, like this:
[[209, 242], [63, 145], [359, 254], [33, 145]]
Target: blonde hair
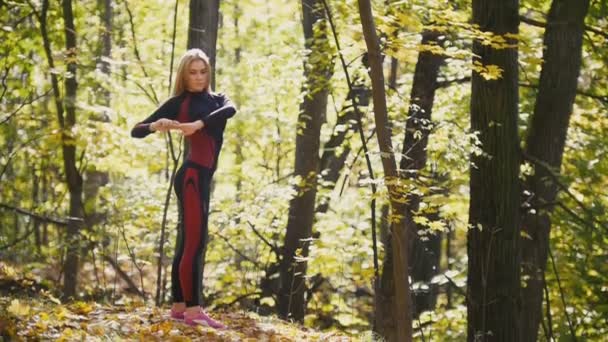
[[190, 56]]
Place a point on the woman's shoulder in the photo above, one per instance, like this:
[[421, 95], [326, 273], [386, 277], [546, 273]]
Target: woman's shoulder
[[174, 99], [218, 94]]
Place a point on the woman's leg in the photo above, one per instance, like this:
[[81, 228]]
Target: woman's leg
[[196, 219], [179, 306], [195, 236]]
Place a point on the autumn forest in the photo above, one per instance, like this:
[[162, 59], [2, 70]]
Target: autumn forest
[[394, 170]]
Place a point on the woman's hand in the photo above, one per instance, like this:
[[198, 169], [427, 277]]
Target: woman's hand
[[163, 125], [191, 127]]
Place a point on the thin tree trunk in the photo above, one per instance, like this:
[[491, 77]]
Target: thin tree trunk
[[448, 262], [494, 218], [385, 323], [317, 71], [44, 238], [337, 149], [238, 153], [106, 45], [545, 143], [425, 255], [36, 203], [73, 177], [399, 233]]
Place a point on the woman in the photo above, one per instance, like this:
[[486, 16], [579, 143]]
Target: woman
[[201, 116]]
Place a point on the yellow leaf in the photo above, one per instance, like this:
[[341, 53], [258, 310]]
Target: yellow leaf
[[7, 271], [525, 235], [81, 308], [60, 312], [18, 309], [421, 220], [437, 225]]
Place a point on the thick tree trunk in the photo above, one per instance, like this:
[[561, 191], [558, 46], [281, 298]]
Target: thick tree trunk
[[317, 70], [425, 255], [73, 178], [494, 218], [399, 234], [545, 143], [95, 179], [202, 32]]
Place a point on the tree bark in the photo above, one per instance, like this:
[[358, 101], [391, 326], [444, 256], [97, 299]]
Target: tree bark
[[318, 69], [545, 143], [95, 179], [202, 34], [494, 218], [399, 233], [425, 255], [73, 177]]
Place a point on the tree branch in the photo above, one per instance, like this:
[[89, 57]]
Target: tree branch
[[272, 247], [34, 215], [136, 50], [23, 104], [539, 23], [563, 297], [447, 83], [124, 276], [236, 250], [564, 188]]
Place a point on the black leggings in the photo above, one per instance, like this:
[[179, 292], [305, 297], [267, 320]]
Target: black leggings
[[192, 183]]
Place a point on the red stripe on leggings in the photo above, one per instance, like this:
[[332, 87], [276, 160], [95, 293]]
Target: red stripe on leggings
[[192, 230]]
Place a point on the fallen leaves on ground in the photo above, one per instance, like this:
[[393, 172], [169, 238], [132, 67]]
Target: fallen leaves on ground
[[40, 318]]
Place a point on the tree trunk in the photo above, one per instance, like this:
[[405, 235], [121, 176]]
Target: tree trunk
[[545, 143], [425, 255], [318, 68], [494, 218], [105, 53], [399, 233], [336, 150], [202, 32], [385, 293], [448, 257], [73, 177], [95, 179], [239, 155], [36, 203]]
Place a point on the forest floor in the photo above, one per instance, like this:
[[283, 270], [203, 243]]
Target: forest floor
[[28, 311]]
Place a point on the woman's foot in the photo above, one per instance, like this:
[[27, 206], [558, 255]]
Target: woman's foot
[[177, 311], [179, 315], [201, 318]]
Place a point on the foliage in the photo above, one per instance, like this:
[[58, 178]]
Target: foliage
[[259, 65]]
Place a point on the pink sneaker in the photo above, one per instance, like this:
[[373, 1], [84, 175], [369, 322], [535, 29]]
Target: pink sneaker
[[201, 318], [178, 315]]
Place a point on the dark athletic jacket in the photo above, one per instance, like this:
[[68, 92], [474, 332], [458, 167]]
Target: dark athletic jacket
[[214, 109]]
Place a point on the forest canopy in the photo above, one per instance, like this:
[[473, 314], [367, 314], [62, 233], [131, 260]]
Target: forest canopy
[[412, 170]]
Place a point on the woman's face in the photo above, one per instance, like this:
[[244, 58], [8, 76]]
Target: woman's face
[[197, 76]]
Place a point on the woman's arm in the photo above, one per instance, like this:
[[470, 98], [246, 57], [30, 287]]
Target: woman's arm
[[167, 110], [226, 111]]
